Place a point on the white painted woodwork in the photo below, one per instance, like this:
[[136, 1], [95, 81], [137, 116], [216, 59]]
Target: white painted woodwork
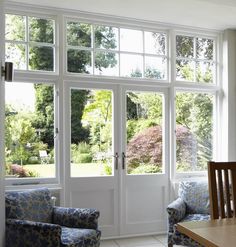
[[2, 116], [129, 204]]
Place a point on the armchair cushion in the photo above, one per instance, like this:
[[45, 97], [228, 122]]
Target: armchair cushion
[[76, 217], [33, 205], [25, 233], [74, 237], [196, 196]]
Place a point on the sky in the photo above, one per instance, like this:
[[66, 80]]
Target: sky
[[20, 94]]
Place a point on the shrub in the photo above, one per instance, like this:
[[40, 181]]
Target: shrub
[[145, 148], [83, 148], [81, 153], [143, 169], [21, 172], [84, 158], [33, 160], [107, 169]]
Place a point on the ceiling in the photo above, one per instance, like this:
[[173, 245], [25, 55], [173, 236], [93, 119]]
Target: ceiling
[[210, 14]]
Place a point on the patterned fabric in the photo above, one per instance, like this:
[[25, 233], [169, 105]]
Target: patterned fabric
[[196, 196], [76, 217], [177, 210], [23, 233], [74, 237], [180, 210], [34, 205], [29, 218]]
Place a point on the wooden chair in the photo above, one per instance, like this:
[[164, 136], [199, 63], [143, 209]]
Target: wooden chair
[[222, 189]]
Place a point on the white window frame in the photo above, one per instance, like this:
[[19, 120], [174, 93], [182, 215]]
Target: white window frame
[[60, 75], [118, 50], [37, 181]]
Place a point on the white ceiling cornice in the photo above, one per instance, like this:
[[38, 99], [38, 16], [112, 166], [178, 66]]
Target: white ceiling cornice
[[206, 14]]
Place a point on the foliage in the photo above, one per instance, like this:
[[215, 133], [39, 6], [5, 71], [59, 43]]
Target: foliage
[[194, 111], [107, 169], [78, 101], [81, 153], [44, 110], [19, 133], [19, 171], [97, 115], [136, 126], [146, 148], [144, 169]]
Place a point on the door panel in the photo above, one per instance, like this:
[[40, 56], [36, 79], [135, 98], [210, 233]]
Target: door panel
[[145, 177], [92, 177]]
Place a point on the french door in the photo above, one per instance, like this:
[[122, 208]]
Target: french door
[[116, 155]]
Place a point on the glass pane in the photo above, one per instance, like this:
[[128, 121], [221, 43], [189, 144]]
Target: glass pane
[[131, 40], [155, 67], [184, 46], [106, 63], [79, 34], [205, 48], [41, 58], [106, 37], [194, 131], [15, 27], [41, 30], [144, 150], [29, 130], [185, 70], [131, 65], [16, 54], [91, 133], [205, 72], [155, 43], [79, 61]]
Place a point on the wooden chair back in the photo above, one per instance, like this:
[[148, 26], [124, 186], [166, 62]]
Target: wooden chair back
[[222, 189]]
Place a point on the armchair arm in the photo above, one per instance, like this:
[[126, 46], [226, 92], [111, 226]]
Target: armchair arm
[[176, 211], [76, 217], [28, 233]]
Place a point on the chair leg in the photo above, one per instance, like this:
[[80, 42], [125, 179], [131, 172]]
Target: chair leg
[[170, 245]]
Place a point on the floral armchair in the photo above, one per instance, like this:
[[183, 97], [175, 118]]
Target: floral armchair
[[32, 221], [191, 205]]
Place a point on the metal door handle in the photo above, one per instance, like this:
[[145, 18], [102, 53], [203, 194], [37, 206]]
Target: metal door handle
[[123, 160], [116, 156]]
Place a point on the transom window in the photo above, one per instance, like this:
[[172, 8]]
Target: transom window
[[30, 42], [112, 51], [195, 59]]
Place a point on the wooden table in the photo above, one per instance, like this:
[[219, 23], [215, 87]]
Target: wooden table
[[212, 233]]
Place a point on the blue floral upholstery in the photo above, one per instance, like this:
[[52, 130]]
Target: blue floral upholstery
[[76, 217], [191, 205], [32, 221]]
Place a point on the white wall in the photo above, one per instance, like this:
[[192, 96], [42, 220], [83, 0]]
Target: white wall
[[228, 117], [2, 201]]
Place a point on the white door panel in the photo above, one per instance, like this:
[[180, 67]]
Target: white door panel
[[144, 192], [95, 189]]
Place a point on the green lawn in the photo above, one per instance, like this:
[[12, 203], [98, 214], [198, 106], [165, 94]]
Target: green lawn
[[77, 170]]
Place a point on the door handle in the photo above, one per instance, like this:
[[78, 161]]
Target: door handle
[[123, 160], [116, 156]]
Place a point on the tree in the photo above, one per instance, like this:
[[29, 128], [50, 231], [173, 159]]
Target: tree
[[79, 34], [97, 115], [44, 110], [19, 133]]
